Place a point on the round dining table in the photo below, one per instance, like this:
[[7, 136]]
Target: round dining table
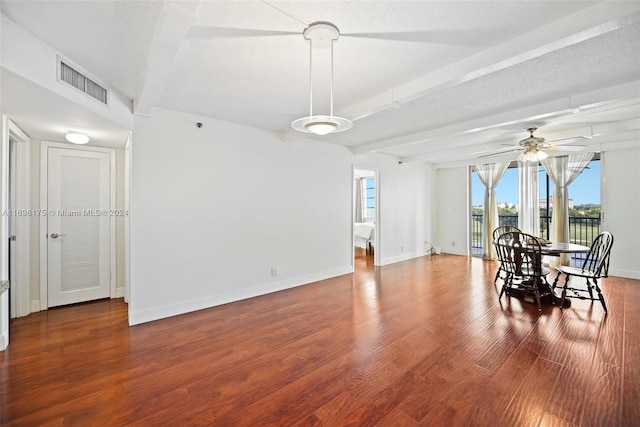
[[557, 248], [549, 248]]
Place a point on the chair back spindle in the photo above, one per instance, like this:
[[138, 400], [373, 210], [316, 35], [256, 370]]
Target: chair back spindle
[[594, 267], [597, 260], [521, 257]]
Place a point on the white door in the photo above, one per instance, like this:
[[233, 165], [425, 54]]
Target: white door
[[78, 236]]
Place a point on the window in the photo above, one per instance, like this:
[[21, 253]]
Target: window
[[507, 193], [584, 204], [370, 189]]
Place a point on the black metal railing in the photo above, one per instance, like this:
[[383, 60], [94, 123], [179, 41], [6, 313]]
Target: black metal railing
[[582, 230]]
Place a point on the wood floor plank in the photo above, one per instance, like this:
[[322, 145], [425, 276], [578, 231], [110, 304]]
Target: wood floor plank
[[421, 342], [533, 395], [603, 400], [397, 418], [550, 420], [631, 379], [497, 393]]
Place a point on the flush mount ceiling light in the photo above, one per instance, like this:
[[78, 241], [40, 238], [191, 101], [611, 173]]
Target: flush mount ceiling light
[[321, 35], [76, 137]]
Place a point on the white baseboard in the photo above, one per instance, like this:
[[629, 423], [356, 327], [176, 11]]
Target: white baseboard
[[3, 342], [628, 274], [399, 258], [455, 251], [35, 306], [402, 257], [157, 313]]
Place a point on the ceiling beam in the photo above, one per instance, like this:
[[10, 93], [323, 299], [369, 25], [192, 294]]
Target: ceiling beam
[[584, 25], [542, 112], [609, 135], [172, 26]]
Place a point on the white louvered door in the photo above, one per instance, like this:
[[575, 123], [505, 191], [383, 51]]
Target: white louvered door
[[77, 226]]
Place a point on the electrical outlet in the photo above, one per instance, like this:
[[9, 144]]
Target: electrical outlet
[[401, 248], [274, 271], [453, 243]]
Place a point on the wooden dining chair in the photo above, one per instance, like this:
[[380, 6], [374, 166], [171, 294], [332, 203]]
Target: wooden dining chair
[[496, 234], [522, 259], [594, 267]]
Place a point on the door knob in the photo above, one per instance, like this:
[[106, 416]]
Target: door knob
[[56, 235]]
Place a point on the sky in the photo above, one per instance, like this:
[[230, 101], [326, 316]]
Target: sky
[[585, 189]]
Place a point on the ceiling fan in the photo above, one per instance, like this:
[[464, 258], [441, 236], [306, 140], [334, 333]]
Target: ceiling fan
[[534, 147], [467, 37], [320, 35]]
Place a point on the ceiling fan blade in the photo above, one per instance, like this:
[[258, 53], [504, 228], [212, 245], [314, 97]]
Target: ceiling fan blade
[[563, 141], [497, 152], [510, 147], [566, 147], [433, 36], [209, 32]]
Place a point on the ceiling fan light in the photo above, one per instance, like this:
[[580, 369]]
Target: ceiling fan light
[[76, 138], [532, 154]]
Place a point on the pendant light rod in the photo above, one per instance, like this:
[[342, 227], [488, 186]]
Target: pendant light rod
[[331, 90], [310, 77], [321, 35]]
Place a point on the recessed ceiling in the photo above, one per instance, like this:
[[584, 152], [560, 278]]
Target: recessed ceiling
[[422, 80]]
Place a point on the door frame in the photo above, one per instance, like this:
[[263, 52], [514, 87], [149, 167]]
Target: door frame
[[377, 248], [21, 285], [44, 160]]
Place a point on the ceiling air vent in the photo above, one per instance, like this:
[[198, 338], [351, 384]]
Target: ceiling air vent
[[83, 83]]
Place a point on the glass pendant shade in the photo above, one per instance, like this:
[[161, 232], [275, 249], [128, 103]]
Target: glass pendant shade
[[321, 128], [321, 125]]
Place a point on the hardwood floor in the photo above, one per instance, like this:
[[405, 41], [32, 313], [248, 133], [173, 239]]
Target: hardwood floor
[[422, 342]]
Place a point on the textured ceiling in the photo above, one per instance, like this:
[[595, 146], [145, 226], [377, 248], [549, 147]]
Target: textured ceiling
[[422, 80]]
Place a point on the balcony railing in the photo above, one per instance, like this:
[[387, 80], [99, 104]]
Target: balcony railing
[[582, 230]]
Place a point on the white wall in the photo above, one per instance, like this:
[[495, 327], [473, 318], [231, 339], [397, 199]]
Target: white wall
[[405, 211], [451, 213], [39, 66], [213, 210], [621, 203], [120, 221]]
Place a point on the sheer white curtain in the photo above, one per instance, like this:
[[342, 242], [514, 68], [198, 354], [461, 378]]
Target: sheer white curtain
[[490, 176], [528, 198], [360, 192], [563, 171]]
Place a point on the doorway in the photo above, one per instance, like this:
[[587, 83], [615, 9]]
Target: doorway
[[19, 221], [365, 210], [77, 246]]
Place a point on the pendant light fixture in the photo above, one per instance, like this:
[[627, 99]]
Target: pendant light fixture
[[321, 35]]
